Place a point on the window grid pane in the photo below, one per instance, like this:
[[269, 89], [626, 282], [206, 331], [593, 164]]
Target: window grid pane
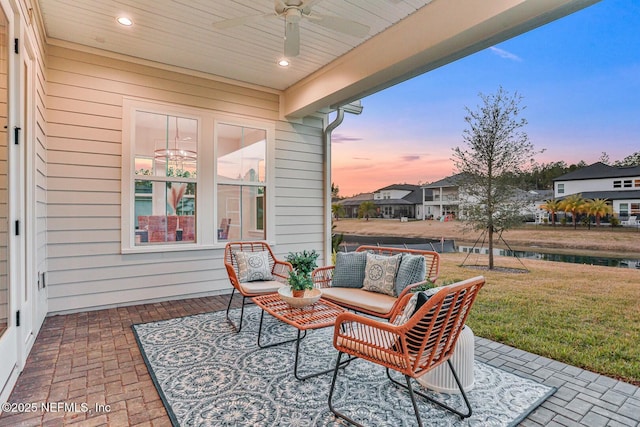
[[164, 212], [241, 154], [165, 170], [241, 212]]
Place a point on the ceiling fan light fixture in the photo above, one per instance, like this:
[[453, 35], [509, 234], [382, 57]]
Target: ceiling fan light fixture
[[283, 62], [292, 12]]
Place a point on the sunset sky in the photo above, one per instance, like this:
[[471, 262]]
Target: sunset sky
[[580, 82]]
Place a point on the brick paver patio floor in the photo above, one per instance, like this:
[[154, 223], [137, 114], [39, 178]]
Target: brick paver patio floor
[[92, 358]]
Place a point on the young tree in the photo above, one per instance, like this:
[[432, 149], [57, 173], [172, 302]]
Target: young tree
[[338, 210], [598, 208], [552, 206], [366, 209], [574, 204], [497, 151]]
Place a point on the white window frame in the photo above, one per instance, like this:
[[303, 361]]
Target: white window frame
[[269, 200], [206, 181]]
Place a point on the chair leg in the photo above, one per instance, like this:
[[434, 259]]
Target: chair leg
[[236, 327], [333, 386], [413, 400], [411, 390]]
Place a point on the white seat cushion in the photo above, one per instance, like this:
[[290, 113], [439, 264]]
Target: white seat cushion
[[371, 301], [379, 345], [261, 286]]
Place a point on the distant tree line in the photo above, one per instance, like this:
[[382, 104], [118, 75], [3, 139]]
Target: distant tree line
[[541, 176]]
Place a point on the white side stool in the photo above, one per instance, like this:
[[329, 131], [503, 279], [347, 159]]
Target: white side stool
[[441, 379]]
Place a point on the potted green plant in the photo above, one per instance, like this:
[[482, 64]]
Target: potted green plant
[[299, 282], [303, 264]]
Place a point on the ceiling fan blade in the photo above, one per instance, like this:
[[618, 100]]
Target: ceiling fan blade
[[342, 25], [305, 7], [291, 39], [234, 22]]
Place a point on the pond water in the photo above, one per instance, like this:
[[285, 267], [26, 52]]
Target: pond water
[[576, 259]]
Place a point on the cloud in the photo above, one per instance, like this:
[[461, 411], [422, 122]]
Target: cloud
[[504, 54], [361, 158], [340, 138], [410, 158]]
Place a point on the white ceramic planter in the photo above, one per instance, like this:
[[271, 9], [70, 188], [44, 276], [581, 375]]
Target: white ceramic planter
[[441, 379]]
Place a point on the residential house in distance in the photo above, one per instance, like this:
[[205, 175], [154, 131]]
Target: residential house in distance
[[619, 185], [351, 204], [443, 199], [393, 201], [532, 201], [399, 200]]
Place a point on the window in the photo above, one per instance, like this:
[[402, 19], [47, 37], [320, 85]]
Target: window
[[165, 181], [635, 209], [193, 178], [636, 183], [560, 188], [241, 180], [617, 184], [627, 183], [624, 210]]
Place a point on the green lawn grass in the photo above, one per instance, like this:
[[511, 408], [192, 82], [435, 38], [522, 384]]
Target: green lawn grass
[[582, 315]]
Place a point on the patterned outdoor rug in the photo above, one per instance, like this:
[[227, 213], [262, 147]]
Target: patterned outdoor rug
[[207, 374]]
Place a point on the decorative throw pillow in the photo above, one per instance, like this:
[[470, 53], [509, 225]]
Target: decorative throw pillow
[[408, 311], [349, 269], [413, 344], [424, 296], [415, 302], [412, 270], [380, 273], [253, 266]]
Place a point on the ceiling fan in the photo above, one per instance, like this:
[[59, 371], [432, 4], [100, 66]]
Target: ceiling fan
[[293, 11]]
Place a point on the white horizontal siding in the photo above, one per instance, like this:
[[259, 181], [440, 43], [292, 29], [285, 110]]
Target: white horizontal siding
[[300, 188], [41, 190], [82, 189]]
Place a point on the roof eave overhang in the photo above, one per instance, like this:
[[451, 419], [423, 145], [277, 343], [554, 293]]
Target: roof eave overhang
[[439, 33]]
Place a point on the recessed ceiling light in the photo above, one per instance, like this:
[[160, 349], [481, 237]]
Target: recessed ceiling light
[[284, 62], [123, 20]]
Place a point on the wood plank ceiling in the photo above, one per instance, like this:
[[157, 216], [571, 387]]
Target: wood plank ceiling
[[180, 33]]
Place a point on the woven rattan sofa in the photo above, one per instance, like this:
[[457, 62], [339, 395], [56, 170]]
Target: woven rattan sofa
[[354, 296]]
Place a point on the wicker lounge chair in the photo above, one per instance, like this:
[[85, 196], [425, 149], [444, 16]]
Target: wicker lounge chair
[[412, 347], [245, 285]]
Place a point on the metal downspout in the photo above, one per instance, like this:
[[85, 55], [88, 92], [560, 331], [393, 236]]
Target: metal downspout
[[327, 183]]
